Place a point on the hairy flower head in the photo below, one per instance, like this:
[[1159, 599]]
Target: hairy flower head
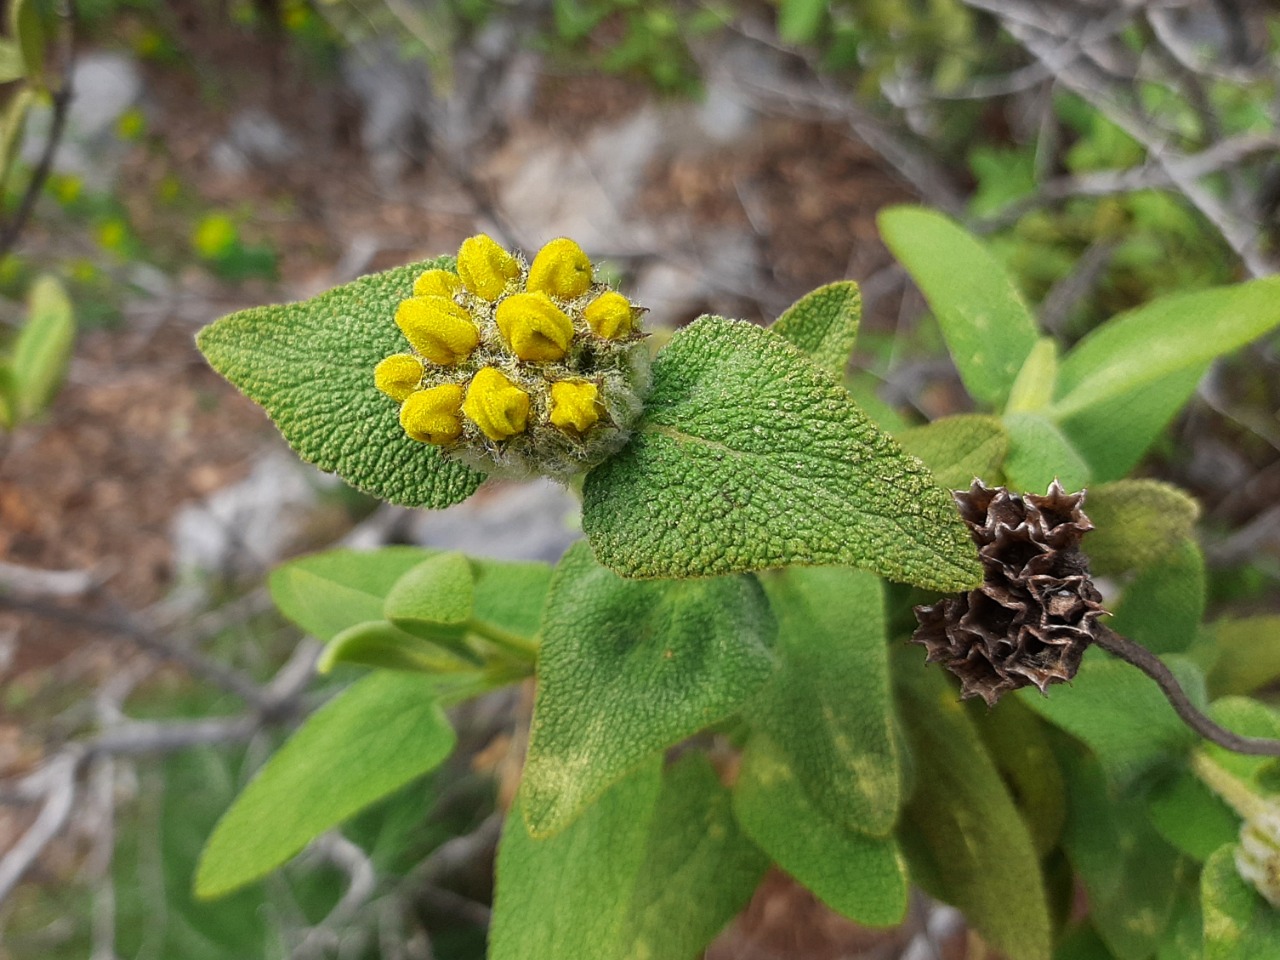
[[518, 369]]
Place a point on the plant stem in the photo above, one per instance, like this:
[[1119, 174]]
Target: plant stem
[[521, 647], [1229, 788], [1152, 666]]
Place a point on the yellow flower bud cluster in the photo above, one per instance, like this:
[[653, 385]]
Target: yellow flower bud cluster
[[518, 368]]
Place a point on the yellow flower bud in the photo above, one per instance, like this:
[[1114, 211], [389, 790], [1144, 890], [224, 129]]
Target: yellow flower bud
[[534, 327], [496, 405], [438, 328], [437, 283], [575, 405], [609, 315], [560, 270], [485, 267], [398, 376], [432, 415]]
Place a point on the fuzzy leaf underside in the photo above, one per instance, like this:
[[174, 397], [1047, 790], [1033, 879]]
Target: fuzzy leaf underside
[[1131, 874], [1137, 523], [310, 366], [628, 668], [651, 871], [750, 458], [374, 737], [1162, 607], [699, 868], [567, 896], [987, 325], [824, 325], [980, 855], [861, 877], [1121, 715], [828, 705], [1238, 923], [957, 449], [1249, 657]]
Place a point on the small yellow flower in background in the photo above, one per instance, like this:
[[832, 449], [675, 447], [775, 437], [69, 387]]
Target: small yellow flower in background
[[609, 315], [432, 416], [437, 283], [560, 270], [575, 405], [534, 327], [438, 328], [497, 406], [485, 267], [215, 235], [398, 376]]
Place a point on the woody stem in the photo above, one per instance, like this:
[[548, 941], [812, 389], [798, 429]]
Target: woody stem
[[1152, 666]]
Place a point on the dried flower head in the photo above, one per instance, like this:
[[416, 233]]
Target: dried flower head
[[1035, 613]]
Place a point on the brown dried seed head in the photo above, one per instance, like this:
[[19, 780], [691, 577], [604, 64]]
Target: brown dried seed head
[[1034, 615]]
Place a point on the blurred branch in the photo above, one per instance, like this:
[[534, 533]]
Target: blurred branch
[[55, 782], [31, 582], [129, 626], [1041, 30]]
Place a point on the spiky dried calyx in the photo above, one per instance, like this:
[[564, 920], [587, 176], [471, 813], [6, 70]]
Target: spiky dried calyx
[[1036, 611]]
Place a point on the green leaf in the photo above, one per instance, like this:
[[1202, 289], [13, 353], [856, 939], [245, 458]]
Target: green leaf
[[1238, 923], [383, 645], [1191, 817], [972, 847], [11, 128], [1131, 874], [749, 458], [372, 738], [1032, 391], [862, 877], [1038, 453], [699, 868], [827, 707], [1082, 943], [987, 325], [957, 449], [568, 895], [1162, 607], [26, 26], [326, 593], [11, 65], [437, 593], [1166, 337], [1249, 656], [8, 410], [824, 325], [1251, 719], [510, 595], [800, 20], [43, 347], [310, 365], [629, 667], [1121, 715], [1137, 523], [1022, 752], [1112, 438], [1184, 938]]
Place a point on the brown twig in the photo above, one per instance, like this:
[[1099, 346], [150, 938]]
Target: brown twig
[[1146, 661]]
